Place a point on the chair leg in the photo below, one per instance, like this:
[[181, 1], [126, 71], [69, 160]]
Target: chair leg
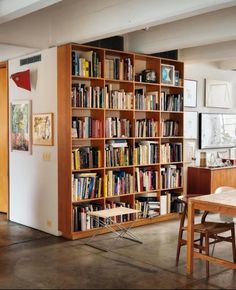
[[179, 245], [201, 243], [207, 252], [233, 243], [181, 225]]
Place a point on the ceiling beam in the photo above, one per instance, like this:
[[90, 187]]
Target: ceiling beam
[[213, 52], [12, 9], [199, 30], [88, 20]]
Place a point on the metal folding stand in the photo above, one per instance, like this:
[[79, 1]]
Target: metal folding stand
[[105, 219]]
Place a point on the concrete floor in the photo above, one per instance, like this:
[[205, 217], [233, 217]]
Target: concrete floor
[[31, 259]]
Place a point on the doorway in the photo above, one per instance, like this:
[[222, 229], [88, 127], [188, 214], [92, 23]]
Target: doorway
[[4, 142]]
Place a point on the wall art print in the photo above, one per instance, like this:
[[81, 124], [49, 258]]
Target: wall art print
[[43, 129], [20, 116]]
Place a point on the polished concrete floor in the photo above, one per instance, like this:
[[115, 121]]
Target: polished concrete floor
[[31, 259]]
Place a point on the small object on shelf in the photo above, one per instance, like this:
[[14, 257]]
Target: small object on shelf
[[149, 76], [202, 159], [229, 162], [167, 74], [177, 80]]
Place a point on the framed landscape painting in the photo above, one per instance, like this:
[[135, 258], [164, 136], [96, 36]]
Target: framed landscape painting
[[43, 129], [20, 116]]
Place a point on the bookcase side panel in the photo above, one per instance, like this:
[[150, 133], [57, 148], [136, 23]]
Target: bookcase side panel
[[64, 140]]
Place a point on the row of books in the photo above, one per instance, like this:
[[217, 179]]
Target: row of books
[[171, 176], [86, 186], [146, 101], [171, 102], [118, 153], [118, 98], [86, 64], [148, 206], [118, 183], [171, 152], [145, 152], [118, 68], [86, 96], [169, 128], [116, 127], [146, 180], [86, 157], [170, 203], [146, 128], [86, 127], [82, 220]]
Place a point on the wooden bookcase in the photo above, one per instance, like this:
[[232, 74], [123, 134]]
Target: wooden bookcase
[[137, 142]]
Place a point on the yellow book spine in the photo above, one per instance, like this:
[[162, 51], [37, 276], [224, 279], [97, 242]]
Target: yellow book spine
[[99, 159], [77, 160]]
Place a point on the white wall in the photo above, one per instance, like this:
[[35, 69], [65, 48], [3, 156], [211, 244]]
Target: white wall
[[202, 71], [33, 181], [199, 72]]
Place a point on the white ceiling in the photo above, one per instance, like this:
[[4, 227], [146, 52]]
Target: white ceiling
[[149, 26]]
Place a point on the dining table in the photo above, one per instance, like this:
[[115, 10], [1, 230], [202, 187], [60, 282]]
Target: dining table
[[223, 203]]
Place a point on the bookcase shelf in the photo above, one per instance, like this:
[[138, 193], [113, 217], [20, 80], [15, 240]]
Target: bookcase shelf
[[100, 99]]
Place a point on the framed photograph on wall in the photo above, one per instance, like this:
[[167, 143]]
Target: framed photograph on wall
[[189, 151], [217, 130], [190, 93], [190, 125], [20, 127], [167, 74], [43, 129], [218, 94]]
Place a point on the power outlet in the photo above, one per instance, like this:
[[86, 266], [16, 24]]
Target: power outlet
[[46, 156], [49, 223]]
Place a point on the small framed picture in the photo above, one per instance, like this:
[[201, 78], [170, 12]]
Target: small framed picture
[[190, 125], [167, 74], [20, 126], [189, 151], [190, 93], [43, 129]]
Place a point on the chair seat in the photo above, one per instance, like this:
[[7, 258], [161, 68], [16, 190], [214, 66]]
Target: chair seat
[[213, 228]]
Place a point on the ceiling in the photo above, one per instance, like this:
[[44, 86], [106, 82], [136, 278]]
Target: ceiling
[[148, 26]]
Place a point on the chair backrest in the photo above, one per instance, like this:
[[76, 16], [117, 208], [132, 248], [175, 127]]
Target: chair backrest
[[224, 189]]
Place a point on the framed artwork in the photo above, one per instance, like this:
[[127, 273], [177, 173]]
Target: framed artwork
[[190, 93], [189, 151], [232, 153], [20, 118], [167, 74], [43, 129], [190, 125], [217, 130], [218, 94]]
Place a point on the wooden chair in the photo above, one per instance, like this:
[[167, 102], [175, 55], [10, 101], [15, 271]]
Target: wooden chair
[[208, 232]]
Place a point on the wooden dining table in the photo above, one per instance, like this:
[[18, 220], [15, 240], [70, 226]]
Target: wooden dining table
[[224, 203]]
